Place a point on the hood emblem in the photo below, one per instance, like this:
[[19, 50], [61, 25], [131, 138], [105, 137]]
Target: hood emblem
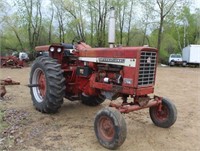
[[149, 60]]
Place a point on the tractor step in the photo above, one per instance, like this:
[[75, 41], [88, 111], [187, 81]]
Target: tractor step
[[73, 98], [71, 83], [32, 85]]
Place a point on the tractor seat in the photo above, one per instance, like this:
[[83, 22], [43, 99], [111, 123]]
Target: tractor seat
[[67, 46]]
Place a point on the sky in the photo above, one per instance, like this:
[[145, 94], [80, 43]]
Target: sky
[[196, 4]]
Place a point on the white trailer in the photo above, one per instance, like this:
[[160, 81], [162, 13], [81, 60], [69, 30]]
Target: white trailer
[[191, 55]]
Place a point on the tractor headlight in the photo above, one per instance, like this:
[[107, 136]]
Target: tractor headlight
[[52, 49], [59, 50]]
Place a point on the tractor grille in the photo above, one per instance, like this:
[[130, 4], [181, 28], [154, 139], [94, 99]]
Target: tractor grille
[[147, 68]]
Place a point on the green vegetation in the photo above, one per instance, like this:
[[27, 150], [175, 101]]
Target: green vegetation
[[3, 124], [168, 25]]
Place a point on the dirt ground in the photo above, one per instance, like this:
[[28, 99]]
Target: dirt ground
[[71, 129]]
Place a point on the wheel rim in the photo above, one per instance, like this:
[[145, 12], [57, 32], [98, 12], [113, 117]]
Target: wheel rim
[[40, 79], [106, 128], [42, 84], [161, 114]]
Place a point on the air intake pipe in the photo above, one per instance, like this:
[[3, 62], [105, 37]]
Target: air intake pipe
[[111, 28]]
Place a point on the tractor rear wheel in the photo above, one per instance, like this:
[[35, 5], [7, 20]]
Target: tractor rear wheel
[[47, 85], [165, 116], [92, 100], [110, 128]]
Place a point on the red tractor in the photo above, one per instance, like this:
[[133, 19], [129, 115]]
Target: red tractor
[[78, 72]]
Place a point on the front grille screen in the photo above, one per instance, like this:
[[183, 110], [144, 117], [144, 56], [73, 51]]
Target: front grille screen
[[147, 68]]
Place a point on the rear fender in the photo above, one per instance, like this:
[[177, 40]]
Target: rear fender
[[42, 48], [55, 51]]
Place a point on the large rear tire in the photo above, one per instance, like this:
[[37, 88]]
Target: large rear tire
[[92, 100], [110, 128], [165, 116], [48, 92]]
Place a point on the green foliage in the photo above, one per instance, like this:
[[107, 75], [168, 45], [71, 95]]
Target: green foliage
[[163, 55], [153, 38], [136, 37], [169, 44], [3, 124]]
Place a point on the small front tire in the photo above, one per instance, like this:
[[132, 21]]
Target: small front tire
[[110, 128], [165, 116]]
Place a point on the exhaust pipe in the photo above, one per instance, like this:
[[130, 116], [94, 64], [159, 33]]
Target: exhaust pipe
[[111, 28]]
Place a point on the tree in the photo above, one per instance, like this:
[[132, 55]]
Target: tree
[[147, 18], [30, 12], [158, 23], [51, 22], [102, 9], [2, 13], [165, 6], [12, 23], [60, 13], [74, 9], [92, 15], [197, 32], [129, 23], [121, 6]]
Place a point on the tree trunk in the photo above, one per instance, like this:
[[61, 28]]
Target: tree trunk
[[129, 24], [50, 25], [92, 23], [121, 23], [160, 33], [162, 5], [18, 38]]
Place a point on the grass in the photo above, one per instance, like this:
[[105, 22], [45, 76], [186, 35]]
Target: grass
[[7, 141], [3, 124]]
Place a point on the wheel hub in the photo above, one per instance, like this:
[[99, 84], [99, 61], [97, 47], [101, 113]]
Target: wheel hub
[[106, 128], [42, 84], [39, 79], [162, 114]]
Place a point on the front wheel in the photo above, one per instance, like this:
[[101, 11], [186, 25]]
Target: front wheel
[[164, 116], [172, 63], [47, 85], [110, 128], [184, 64]]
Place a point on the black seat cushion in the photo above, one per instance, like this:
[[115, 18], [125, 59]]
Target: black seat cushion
[[67, 46]]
